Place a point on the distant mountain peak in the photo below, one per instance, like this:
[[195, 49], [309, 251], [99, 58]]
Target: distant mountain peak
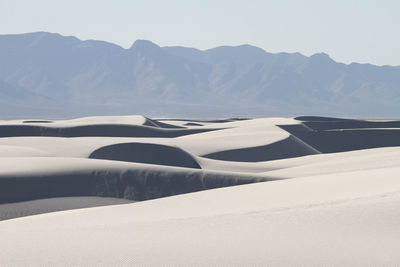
[[144, 44], [43, 34], [321, 58], [244, 47], [321, 55], [251, 47]]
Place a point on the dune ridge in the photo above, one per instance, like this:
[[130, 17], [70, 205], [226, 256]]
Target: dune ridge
[[116, 130], [146, 153], [51, 177], [286, 148], [329, 135]]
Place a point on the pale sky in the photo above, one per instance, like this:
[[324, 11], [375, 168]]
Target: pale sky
[[364, 31]]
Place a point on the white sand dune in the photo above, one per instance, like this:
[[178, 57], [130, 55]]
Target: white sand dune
[[313, 164], [146, 153], [337, 163], [234, 135], [117, 126], [21, 151], [341, 219], [76, 147], [256, 192], [134, 120], [23, 179]]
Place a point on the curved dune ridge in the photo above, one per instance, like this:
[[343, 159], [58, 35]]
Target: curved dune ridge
[[330, 135], [111, 126], [306, 191], [326, 123], [115, 130], [23, 179], [146, 153], [287, 148]]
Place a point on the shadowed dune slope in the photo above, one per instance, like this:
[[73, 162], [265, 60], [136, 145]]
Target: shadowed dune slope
[[156, 123], [193, 124], [313, 164], [116, 130], [319, 118], [33, 207], [205, 120], [355, 124], [37, 121], [65, 177], [146, 153], [325, 123], [330, 141], [287, 148]]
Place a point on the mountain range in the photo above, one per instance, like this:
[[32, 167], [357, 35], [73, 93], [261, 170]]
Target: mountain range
[[47, 74]]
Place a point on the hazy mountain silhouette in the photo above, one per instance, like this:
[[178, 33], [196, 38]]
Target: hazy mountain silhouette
[[49, 74]]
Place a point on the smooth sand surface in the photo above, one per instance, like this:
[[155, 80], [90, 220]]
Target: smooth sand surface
[[255, 192], [39, 206], [342, 219]]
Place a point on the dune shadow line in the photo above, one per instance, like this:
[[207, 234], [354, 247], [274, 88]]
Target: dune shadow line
[[146, 153]]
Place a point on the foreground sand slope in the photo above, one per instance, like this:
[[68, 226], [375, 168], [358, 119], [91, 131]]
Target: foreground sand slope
[[337, 219]]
